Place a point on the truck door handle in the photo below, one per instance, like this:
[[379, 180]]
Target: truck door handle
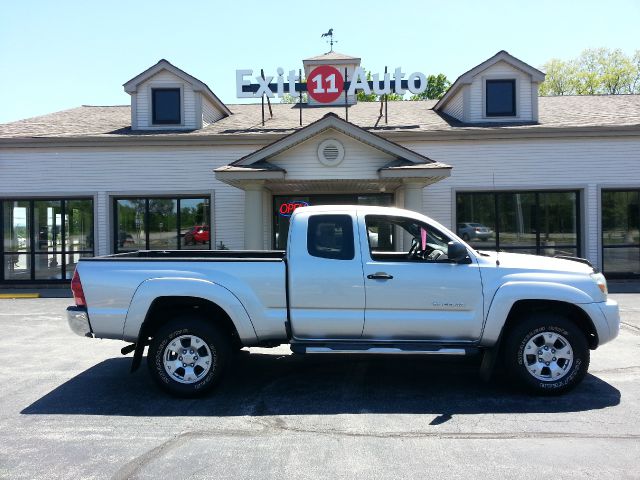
[[379, 276]]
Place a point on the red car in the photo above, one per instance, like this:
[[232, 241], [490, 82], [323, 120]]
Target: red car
[[197, 234]]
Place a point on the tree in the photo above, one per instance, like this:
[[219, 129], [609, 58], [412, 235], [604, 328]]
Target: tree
[[618, 73], [437, 86], [364, 97], [288, 98], [597, 71], [559, 79]]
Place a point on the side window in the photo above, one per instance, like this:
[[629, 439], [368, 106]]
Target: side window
[[330, 236], [404, 239]]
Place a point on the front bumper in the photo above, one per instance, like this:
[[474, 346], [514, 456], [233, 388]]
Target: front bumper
[[611, 313], [78, 320]]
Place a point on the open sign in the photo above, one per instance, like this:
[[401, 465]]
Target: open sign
[[287, 208]]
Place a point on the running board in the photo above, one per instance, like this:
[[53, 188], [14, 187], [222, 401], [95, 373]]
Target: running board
[[382, 350]]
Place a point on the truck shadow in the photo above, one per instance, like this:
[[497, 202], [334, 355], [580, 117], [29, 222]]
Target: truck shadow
[[262, 384]]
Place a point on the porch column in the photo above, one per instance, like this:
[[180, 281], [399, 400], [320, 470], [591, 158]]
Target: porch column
[[412, 201], [253, 218], [413, 195]]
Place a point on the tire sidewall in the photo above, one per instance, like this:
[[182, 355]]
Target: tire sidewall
[[532, 326], [166, 335]]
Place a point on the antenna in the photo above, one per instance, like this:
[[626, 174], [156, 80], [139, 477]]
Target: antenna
[[331, 41]]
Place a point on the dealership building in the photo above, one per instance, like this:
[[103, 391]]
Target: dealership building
[[179, 169]]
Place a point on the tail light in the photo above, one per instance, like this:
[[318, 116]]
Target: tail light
[[78, 293]]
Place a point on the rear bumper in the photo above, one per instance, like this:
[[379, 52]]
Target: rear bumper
[[78, 320]]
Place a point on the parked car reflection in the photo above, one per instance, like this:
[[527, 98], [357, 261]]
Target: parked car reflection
[[470, 230], [197, 234]]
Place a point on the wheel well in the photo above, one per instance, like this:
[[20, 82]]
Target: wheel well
[[568, 310], [163, 309]]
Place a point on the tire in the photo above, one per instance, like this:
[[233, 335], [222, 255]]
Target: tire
[[188, 355], [560, 362], [465, 237]]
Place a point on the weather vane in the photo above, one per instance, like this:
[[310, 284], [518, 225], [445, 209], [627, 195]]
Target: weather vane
[[331, 40]]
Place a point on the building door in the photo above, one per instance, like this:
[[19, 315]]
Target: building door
[[284, 206], [620, 233]]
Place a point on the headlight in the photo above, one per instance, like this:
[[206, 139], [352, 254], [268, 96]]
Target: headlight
[[601, 282]]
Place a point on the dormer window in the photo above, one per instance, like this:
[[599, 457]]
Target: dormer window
[[166, 106], [500, 98]]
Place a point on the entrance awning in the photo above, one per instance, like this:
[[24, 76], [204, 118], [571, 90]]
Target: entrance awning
[[280, 165]]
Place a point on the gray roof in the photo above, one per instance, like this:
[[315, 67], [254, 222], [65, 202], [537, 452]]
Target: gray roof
[[555, 114], [331, 56]]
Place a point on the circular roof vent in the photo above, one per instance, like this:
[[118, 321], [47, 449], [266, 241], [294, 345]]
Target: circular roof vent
[[330, 153]]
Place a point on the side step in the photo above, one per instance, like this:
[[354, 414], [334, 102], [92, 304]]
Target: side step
[[388, 349]]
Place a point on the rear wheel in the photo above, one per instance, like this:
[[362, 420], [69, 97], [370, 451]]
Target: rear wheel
[[187, 356], [546, 354]]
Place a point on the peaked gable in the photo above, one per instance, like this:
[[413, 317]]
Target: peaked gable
[[131, 87], [467, 78], [332, 121]]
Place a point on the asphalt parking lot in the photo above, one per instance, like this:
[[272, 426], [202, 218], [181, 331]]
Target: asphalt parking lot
[[70, 409]]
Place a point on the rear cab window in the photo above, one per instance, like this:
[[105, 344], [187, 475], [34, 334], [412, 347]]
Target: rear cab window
[[331, 236]]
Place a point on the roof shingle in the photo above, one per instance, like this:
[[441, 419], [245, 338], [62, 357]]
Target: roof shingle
[[560, 112]]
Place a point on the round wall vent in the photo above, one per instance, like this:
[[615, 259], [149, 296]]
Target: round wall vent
[[330, 152]]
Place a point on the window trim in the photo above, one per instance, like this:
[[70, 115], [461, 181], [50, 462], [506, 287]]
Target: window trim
[[580, 214], [164, 86], [146, 197], [33, 252], [603, 247], [516, 97]]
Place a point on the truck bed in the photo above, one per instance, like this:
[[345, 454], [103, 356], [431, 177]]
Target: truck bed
[[199, 255]]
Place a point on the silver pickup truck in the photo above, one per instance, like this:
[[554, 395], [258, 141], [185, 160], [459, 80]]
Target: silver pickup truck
[[364, 280]]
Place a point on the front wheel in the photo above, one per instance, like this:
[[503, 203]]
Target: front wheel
[[187, 356], [546, 354]]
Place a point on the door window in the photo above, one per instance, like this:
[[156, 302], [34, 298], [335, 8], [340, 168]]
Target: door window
[[404, 239]]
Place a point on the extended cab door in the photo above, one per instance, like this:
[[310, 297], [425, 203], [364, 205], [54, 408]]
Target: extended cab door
[[326, 287], [413, 292]]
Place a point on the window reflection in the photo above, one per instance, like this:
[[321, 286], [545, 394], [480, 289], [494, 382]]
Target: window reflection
[[161, 223], [621, 232], [43, 238], [540, 223]]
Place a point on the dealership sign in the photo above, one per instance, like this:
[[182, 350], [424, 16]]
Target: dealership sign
[[325, 83]]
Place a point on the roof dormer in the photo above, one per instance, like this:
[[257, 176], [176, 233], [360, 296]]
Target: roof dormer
[[164, 97], [501, 89]]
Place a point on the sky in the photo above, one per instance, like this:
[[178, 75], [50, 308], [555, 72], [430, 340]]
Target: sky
[[56, 55]]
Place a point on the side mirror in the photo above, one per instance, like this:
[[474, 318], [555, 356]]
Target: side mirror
[[457, 252]]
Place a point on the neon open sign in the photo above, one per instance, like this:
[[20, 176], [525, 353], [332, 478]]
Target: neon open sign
[[287, 208]]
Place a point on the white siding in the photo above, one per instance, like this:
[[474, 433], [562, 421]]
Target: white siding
[[587, 165], [455, 106], [132, 171], [165, 79], [360, 161], [578, 164], [523, 94], [210, 114]]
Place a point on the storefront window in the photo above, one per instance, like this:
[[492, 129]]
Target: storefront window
[[161, 223], [284, 206], [540, 223], [43, 239], [620, 232]]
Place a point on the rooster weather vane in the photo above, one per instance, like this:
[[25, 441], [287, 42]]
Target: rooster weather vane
[[331, 40]]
